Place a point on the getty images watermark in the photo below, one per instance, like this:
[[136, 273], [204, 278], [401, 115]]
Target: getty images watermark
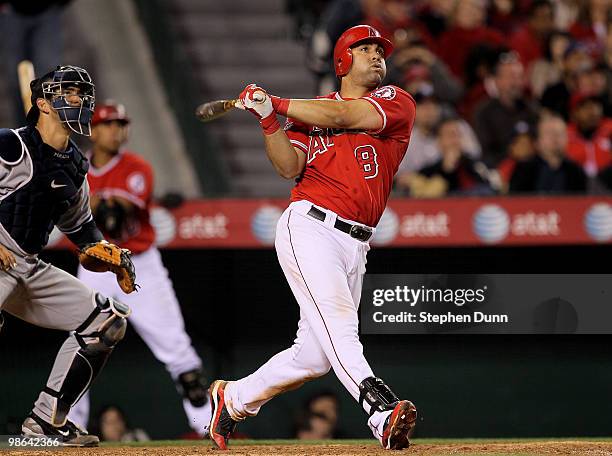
[[412, 297], [486, 303]]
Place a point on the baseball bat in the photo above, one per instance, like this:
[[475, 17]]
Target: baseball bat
[[25, 71], [214, 109]]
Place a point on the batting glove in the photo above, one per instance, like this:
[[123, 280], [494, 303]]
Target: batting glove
[[263, 106]]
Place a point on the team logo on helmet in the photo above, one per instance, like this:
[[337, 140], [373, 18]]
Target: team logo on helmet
[[386, 93]]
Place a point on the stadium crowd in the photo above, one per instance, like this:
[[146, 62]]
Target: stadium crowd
[[514, 96]]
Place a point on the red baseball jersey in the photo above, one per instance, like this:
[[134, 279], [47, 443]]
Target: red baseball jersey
[[127, 176], [351, 172]]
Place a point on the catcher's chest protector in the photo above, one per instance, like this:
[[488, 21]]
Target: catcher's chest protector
[[42, 185]]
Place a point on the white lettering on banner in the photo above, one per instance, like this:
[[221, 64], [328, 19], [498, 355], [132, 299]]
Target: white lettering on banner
[[425, 225], [536, 224], [198, 226]]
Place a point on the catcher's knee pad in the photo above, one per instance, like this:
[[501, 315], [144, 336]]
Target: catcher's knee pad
[[376, 396], [105, 327], [96, 337]]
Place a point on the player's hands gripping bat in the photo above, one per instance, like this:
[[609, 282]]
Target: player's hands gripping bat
[[103, 256], [256, 100], [25, 71]]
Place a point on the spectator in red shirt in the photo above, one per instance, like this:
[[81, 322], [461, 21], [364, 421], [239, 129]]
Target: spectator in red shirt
[[530, 39], [589, 134], [590, 26], [467, 31]]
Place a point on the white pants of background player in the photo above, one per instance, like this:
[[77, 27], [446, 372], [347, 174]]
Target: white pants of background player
[[156, 317], [324, 267]]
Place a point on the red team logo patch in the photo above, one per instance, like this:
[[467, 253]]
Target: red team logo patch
[[386, 93]]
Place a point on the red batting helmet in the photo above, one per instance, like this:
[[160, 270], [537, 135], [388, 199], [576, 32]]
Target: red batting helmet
[[343, 58], [109, 111]]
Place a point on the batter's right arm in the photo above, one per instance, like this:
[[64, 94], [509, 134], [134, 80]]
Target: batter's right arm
[[287, 160]]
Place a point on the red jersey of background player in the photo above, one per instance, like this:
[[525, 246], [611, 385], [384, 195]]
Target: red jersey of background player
[[351, 172], [128, 176]]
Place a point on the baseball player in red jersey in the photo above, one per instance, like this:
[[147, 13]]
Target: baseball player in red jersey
[[344, 149], [121, 184]]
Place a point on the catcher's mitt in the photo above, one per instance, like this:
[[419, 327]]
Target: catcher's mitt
[[103, 256]]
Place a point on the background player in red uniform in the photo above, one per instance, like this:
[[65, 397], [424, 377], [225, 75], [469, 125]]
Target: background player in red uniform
[[345, 151], [121, 184]]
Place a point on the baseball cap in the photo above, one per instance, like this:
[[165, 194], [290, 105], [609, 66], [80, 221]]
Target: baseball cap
[[108, 111], [579, 98]]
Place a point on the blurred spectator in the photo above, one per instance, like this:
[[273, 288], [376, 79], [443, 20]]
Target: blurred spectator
[[480, 65], [112, 426], [590, 134], [434, 15], [338, 16], [594, 81], [412, 63], [590, 25], [556, 97], [496, 117], [549, 171], [454, 173], [314, 426], [468, 29], [520, 149], [504, 15], [530, 39], [607, 60], [327, 405], [30, 30], [306, 15], [548, 70], [389, 16], [319, 418], [423, 148]]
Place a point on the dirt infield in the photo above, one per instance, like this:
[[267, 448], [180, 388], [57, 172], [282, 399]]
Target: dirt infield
[[528, 448]]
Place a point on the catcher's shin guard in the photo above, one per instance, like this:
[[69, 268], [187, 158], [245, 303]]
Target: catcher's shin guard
[[81, 359]]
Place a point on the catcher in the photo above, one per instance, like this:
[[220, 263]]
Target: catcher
[[43, 184]]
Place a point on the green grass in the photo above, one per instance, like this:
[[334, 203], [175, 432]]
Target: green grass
[[239, 442]]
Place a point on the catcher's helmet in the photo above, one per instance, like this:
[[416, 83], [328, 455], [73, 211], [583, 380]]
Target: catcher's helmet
[[108, 111], [343, 57], [55, 86]]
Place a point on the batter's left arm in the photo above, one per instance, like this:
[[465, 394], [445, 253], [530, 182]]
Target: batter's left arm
[[349, 115]]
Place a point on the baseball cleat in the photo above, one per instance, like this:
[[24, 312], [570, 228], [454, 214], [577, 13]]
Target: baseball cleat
[[221, 423], [398, 425], [69, 434]]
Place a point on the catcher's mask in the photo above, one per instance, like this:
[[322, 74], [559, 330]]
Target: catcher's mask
[[72, 95]]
